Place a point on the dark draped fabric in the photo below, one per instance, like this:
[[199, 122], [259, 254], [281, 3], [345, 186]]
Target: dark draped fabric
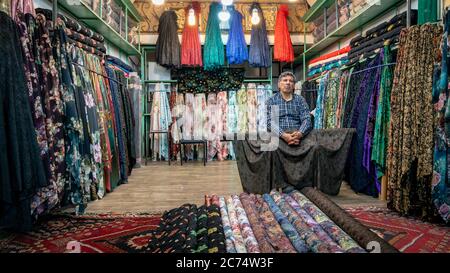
[[361, 234], [259, 52], [21, 169], [318, 161], [168, 48]]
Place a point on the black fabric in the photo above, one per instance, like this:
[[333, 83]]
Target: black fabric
[[168, 48], [216, 236], [309, 92], [361, 234], [198, 80], [21, 170], [202, 230], [318, 161]]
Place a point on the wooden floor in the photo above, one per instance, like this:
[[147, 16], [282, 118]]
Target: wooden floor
[[158, 187]]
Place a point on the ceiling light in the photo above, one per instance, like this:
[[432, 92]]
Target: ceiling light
[[255, 17], [191, 17], [158, 2], [224, 15]]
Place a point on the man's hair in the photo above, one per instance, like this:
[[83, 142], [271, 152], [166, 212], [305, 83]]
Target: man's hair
[[285, 74]]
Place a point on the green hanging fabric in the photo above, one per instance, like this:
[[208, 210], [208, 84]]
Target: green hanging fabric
[[427, 11], [381, 131], [213, 51]]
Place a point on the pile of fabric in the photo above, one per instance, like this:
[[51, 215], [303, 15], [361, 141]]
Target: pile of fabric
[[81, 119], [270, 223]]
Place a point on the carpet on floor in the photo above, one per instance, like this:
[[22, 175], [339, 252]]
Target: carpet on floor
[[407, 234]]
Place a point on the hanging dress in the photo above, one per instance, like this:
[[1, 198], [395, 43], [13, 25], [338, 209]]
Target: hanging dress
[[259, 52], [283, 50], [191, 50], [168, 45], [237, 52], [213, 51]]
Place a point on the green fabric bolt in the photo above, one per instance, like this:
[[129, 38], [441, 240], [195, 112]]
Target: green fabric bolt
[[381, 132], [427, 11], [213, 50]]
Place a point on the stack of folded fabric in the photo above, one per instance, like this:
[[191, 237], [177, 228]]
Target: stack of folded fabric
[[331, 18], [344, 11], [356, 6], [319, 30], [133, 36], [112, 14], [80, 35], [328, 62], [386, 33]]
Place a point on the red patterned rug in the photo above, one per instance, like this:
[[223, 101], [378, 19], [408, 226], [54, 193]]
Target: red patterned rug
[[407, 234], [85, 234]]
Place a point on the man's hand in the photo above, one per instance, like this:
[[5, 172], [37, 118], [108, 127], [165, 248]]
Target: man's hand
[[287, 137], [292, 138]]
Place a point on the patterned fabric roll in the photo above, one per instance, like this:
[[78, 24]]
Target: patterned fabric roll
[[262, 96], [257, 226], [232, 117], [252, 106], [319, 111], [199, 116], [336, 233], [216, 237], [215, 200], [202, 230], [242, 118], [287, 227], [275, 234], [247, 233], [238, 240], [228, 231]]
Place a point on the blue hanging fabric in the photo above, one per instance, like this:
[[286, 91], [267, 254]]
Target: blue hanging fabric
[[259, 53], [213, 53], [236, 46]]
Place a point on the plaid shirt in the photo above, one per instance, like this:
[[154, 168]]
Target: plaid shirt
[[293, 114]]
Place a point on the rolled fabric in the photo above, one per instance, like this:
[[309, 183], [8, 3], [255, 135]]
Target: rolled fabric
[[215, 200], [299, 202], [316, 239], [361, 234], [228, 231], [238, 239], [216, 237], [257, 226], [247, 233], [290, 231], [202, 230]]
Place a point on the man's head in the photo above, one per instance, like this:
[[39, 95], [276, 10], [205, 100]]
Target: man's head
[[286, 82]]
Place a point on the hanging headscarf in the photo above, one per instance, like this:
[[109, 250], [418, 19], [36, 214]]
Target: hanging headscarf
[[213, 53], [168, 45], [283, 50], [236, 46], [259, 54], [191, 50]]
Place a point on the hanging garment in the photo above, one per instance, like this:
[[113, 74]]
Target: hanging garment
[[242, 117], [440, 186], [262, 97], [21, 169], [331, 100], [233, 112], [410, 156], [199, 116], [227, 229], [191, 50], [343, 84], [135, 92], [173, 129], [250, 241], [237, 52], [427, 11], [259, 52], [299, 201], [22, 7], [213, 51], [222, 104], [252, 111], [320, 104], [283, 50], [168, 45], [188, 123], [352, 93], [212, 128]]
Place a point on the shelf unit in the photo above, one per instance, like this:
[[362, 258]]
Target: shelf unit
[[374, 9], [85, 14]]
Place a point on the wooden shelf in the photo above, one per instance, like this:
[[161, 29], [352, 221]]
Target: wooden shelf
[[363, 17], [86, 15]]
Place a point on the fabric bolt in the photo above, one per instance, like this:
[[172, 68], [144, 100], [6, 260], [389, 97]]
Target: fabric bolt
[[191, 51], [135, 91], [331, 100], [202, 230], [259, 51], [233, 113], [252, 108], [237, 52], [312, 214], [343, 84], [21, 170], [168, 46], [410, 148], [439, 187], [309, 92], [320, 103], [256, 225], [227, 229], [242, 111], [21, 7], [239, 243], [222, 125], [283, 49], [216, 237], [310, 231], [290, 231], [213, 51], [275, 234], [176, 231], [199, 116], [213, 130], [251, 244]]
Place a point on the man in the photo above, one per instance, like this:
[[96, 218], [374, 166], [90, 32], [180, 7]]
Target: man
[[294, 118]]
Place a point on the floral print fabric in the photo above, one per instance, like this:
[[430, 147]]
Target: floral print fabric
[[247, 233]]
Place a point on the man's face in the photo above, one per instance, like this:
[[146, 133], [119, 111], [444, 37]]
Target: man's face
[[286, 84]]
